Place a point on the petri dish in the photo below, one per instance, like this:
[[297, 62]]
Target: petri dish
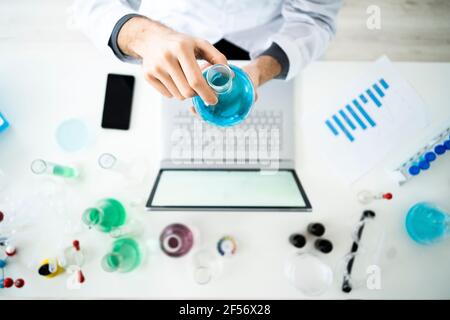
[[308, 273], [72, 135]]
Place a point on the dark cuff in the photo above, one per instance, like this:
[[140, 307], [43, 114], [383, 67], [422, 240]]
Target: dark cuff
[[278, 54], [112, 43]]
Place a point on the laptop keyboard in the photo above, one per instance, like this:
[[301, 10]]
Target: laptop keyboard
[[253, 128]]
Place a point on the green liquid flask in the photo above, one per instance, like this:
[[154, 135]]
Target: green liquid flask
[[106, 216], [124, 256]]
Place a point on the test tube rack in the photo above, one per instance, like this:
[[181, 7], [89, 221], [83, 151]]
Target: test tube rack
[[421, 160]]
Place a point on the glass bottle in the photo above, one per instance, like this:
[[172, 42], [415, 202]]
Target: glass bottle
[[176, 240], [107, 215], [235, 95], [125, 256]]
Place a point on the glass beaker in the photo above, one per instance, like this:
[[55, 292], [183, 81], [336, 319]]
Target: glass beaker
[[426, 223]]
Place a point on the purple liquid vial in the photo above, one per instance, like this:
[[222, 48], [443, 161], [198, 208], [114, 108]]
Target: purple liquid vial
[[176, 240]]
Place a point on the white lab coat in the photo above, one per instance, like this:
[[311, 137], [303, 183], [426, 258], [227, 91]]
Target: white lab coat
[[302, 28]]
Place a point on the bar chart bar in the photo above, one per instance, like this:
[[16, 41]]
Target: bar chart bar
[[343, 128], [378, 90], [332, 128], [363, 98], [364, 113], [384, 84], [355, 116], [374, 99], [347, 119]]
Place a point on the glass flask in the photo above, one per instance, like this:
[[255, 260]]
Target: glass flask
[[426, 223], [125, 256], [176, 240], [236, 96], [107, 215]]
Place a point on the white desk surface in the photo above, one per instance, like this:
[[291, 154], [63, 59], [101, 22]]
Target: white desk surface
[[41, 85]]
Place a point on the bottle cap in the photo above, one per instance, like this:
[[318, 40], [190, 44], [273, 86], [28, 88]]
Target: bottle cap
[[414, 170], [424, 165], [323, 245], [316, 229], [2, 216], [297, 240], [430, 156], [440, 149], [447, 144], [387, 196]]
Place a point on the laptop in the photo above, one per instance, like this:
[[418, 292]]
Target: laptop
[[247, 167]]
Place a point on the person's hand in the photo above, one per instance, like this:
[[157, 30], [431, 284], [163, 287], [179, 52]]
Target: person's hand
[[169, 58], [260, 70]]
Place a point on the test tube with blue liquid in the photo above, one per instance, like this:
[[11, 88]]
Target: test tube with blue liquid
[[41, 167]]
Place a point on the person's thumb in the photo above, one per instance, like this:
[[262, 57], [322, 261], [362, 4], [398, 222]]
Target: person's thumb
[[209, 53]]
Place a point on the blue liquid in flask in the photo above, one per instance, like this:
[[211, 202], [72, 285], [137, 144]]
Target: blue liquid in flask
[[426, 223], [236, 96]]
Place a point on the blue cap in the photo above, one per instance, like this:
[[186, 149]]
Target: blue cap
[[414, 170], [2, 263], [424, 165], [440, 149], [430, 156], [447, 144]]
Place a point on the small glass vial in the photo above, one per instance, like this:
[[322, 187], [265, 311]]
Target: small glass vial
[[40, 167]]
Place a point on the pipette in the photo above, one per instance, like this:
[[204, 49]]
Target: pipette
[[366, 197]]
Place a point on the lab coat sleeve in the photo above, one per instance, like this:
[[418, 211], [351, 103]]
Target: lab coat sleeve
[[307, 29], [97, 18]]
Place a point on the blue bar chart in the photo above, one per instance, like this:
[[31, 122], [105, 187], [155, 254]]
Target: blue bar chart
[[357, 113]]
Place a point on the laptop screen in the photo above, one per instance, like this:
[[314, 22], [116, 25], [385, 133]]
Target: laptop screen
[[227, 189]]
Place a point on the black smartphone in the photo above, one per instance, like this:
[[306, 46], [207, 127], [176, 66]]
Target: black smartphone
[[118, 102]]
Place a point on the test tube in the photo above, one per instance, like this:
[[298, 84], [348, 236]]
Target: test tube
[[40, 167]]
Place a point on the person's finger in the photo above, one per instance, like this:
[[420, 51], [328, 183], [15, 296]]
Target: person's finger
[[194, 112], [208, 52], [195, 78], [204, 65], [180, 80], [155, 83], [167, 81]]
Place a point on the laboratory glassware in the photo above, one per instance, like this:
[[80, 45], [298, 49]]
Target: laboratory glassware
[[125, 256], [235, 94], [426, 223], [176, 240], [308, 273], [366, 197], [107, 215], [40, 167]]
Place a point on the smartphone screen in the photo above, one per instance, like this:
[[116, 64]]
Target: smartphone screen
[[118, 101]]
